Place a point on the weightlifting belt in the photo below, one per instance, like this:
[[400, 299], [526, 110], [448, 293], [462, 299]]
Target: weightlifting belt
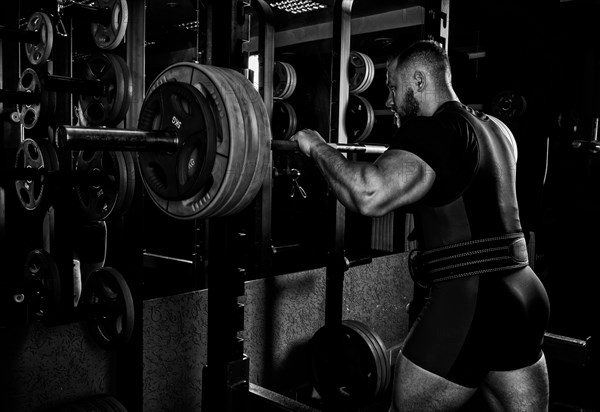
[[473, 257]]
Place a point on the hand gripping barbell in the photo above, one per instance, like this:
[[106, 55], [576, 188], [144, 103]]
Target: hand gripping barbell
[[38, 37], [105, 91], [215, 135]]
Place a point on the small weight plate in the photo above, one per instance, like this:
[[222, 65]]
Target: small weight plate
[[108, 37], [30, 114], [42, 284], [107, 301], [360, 72], [110, 108], [39, 53], [360, 118], [508, 105], [345, 369], [379, 351], [34, 193], [284, 80], [285, 120], [103, 183]]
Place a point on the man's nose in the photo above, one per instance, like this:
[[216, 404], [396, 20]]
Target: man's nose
[[390, 101]]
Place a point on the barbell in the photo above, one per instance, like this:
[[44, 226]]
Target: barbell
[[38, 37], [105, 91], [215, 135]]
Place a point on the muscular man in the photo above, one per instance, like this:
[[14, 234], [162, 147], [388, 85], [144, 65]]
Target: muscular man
[[484, 321]]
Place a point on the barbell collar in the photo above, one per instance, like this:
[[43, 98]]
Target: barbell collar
[[22, 36], [101, 15], [287, 145], [101, 138]]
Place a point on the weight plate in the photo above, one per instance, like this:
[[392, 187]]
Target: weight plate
[[251, 173], [35, 193], [114, 402], [344, 367], [110, 36], [30, 114], [263, 140], [379, 351], [180, 107], [284, 80], [110, 108], [108, 301], [104, 183], [361, 71], [360, 118], [129, 194], [39, 53], [228, 121], [285, 120], [128, 79], [42, 284], [508, 105]]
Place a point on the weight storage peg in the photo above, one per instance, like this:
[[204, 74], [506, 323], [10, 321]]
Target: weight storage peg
[[38, 37], [108, 20], [105, 92]]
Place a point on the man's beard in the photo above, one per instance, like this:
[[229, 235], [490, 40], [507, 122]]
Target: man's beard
[[409, 109]]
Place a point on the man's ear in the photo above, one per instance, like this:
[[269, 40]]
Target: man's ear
[[420, 80]]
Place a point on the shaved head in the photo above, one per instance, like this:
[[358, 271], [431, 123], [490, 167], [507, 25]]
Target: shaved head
[[424, 55]]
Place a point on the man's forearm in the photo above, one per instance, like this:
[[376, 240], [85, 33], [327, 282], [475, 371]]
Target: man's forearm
[[341, 174]]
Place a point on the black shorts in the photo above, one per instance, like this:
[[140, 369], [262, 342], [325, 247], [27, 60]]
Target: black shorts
[[478, 324]]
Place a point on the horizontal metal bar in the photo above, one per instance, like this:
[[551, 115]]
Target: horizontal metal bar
[[287, 145], [24, 36], [19, 97], [88, 13], [100, 138], [73, 85]]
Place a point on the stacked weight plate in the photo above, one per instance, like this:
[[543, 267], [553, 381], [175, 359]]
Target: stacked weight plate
[[222, 158], [284, 117], [360, 116]]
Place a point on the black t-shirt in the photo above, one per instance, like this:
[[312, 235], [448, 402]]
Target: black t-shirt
[[447, 143]]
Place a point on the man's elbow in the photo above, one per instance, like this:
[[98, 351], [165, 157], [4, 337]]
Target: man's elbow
[[371, 207]]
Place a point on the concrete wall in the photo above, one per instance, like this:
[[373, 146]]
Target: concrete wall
[[281, 315], [45, 366]]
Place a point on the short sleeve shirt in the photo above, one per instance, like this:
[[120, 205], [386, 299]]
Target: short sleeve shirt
[[447, 143]]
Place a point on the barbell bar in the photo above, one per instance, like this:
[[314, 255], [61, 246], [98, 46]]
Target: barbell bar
[[223, 135], [286, 145], [100, 138]]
